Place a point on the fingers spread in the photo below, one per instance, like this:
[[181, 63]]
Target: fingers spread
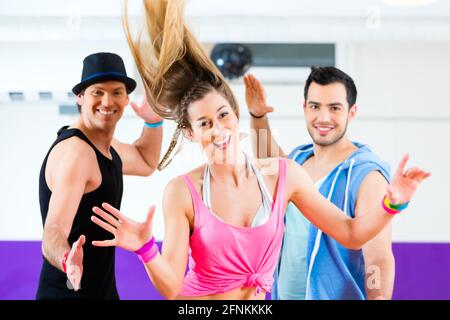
[[106, 216], [427, 174], [401, 166], [112, 210], [103, 225], [104, 243], [246, 81], [411, 172], [416, 174]]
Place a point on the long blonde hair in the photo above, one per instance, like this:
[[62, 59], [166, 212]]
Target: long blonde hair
[[174, 68]]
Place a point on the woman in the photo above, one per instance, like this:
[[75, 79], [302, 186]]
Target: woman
[[227, 215]]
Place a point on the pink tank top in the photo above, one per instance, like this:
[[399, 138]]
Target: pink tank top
[[224, 257]]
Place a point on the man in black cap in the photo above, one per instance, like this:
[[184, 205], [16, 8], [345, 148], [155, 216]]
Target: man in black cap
[[83, 169]]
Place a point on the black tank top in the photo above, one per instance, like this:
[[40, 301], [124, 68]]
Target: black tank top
[[98, 281]]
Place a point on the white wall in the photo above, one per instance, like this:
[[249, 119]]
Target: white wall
[[41, 66], [409, 83]]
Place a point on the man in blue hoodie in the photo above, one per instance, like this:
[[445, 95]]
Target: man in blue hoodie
[[312, 265]]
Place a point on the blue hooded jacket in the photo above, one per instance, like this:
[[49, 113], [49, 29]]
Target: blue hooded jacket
[[322, 269]]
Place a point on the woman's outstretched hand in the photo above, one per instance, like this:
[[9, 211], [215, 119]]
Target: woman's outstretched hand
[[405, 183], [128, 234]]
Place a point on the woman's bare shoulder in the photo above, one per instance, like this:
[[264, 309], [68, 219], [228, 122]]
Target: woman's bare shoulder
[[178, 189]]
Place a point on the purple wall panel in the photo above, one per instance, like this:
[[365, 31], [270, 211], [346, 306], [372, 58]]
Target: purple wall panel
[[422, 272], [132, 280], [20, 263]]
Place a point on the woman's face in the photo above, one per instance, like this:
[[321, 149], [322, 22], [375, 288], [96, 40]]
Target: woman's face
[[215, 126]]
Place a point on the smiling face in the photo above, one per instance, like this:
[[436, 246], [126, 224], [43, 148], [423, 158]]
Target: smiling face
[[215, 126], [102, 104], [327, 113]]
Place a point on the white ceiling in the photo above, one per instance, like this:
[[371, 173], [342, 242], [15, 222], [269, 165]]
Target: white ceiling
[[232, 20], [208, 8]]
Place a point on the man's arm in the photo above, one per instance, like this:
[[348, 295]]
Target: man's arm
[[264, 144], [378, 258], [68, 169], [141, 158]]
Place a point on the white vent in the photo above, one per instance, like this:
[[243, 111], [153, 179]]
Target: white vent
[[36, 96]]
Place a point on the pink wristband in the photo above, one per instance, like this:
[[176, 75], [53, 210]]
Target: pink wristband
[[148, 251]]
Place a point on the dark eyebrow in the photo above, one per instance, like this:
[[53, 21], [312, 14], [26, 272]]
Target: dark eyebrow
[[202, 118], [335, 104]]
